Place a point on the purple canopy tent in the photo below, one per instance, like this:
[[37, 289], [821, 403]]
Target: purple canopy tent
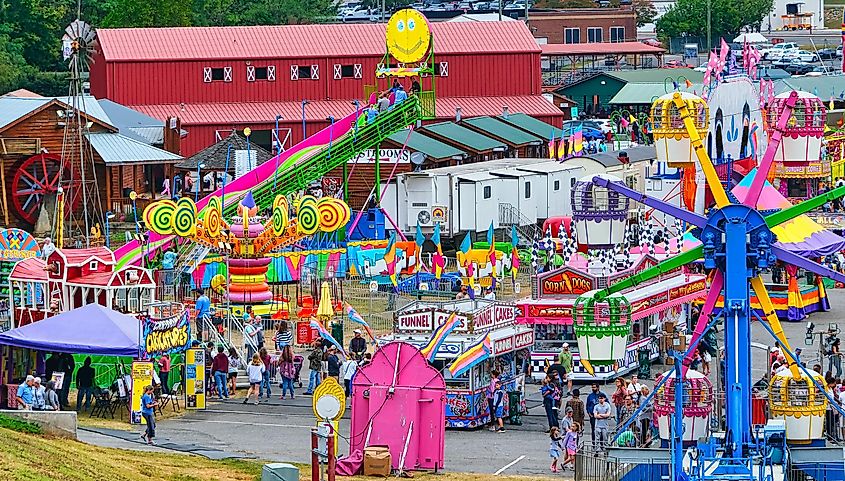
[[91, 329]]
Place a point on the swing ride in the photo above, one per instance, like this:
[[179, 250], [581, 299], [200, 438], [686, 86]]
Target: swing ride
[[737, 244]]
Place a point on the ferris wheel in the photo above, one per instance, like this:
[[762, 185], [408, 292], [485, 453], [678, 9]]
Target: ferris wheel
[[737, 244]]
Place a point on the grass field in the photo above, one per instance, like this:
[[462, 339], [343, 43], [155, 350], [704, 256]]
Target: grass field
[[28, 457]]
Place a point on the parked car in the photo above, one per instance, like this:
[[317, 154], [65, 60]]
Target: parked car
[[800, 55], [772, 73], [588, 133], [653, 42], [605, 125], [839, 51], [776, 52], [827, 53], [818, 71], [675, 64], [798, 68]]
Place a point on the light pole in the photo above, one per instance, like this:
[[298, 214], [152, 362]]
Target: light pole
[[109, 216], [278, 152], [225, 176], [200, 165], [304, 103], [278, 147], [708, 26]]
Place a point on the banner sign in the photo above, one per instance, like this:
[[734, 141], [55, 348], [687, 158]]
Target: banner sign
[[195, 378], [387, 156], [142, 376], [16, 244], [167, 329]]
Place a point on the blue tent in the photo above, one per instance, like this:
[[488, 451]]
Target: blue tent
[[91, 329]]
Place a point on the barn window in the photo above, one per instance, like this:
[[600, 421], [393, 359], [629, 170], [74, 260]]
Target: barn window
[[217, 74], [347, 71], [441, 69], [93, 265], [261, 73], [594, 34], [488, 192], [557, 185], [572, 35], [528, 190], [617, 34], [304, 72]]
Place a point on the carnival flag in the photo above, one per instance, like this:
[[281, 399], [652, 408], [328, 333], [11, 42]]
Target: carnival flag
[[472, 356], [466, 244], [315, 324], [687, 83], [419, 240], [514, 253], [437, 259], [353, 316], [491, 249], [438, 337], [843, 38], [390, 258], [577, 140], [552, 145], [623, 122]]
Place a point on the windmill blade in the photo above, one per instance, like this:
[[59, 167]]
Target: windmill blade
[[715, 290], [771, 317], [713, 181], [804, 263], [658, 204], [652, 272]]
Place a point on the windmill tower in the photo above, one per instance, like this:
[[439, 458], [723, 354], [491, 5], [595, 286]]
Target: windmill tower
[[81, 219]]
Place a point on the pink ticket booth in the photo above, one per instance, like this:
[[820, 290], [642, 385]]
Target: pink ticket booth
[[399, 401]]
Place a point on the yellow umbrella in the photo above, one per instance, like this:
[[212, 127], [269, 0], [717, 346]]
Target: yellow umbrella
[[325, 309]]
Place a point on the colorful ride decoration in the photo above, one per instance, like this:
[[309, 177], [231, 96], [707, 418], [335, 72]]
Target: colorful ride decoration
[[600, 214], [800, 404], [671, 138], [697, 409], [602, 329], [250, 237]]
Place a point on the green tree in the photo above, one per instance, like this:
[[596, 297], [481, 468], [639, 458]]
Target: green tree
[[37, 26], [645, 11], [12, 63], [148, 13], [566, 4], [727, 17], [288, 12]]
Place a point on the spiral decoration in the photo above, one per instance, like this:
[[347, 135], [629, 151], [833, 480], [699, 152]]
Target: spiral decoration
[[213, 217], [334, 214], [308, 219], [159, 216], [185, 218], [280, 217]]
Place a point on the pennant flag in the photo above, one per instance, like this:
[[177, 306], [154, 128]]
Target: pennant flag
[[353, 316], [315, 324], [472, 356], [675, 85], [437, 259], [438, 337], [552, 145], [830, 106], [632, 119], [466, 245], [514, 253], [577, 140], [688, 83], [491, 250], [419, 240], [390, 258], [623, 122]]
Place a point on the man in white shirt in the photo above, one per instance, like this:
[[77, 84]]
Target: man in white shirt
[[635, 388], [347, 372]]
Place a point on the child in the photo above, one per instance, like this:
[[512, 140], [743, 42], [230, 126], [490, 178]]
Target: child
[[499, 405], [577, 406], [570, 443], [555, 447], [567, 420], [148, 405]]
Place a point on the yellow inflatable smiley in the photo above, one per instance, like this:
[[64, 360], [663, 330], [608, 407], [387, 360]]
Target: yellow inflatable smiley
[[408, 36]]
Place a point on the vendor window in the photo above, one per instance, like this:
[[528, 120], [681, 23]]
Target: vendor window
[[528, 190], [557, 185], [488, 192]]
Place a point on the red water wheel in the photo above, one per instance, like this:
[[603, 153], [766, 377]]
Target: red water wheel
[[38, 176]]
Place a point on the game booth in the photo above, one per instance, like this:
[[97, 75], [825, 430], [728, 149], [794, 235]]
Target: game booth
[[549, 313], [466, 405]]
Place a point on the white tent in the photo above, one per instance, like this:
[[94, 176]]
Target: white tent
[[754, 37]]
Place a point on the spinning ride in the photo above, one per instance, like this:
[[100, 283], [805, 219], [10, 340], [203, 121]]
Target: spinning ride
[[737, 244]]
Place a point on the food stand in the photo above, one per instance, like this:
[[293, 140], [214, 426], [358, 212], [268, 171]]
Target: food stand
[[466, 405]]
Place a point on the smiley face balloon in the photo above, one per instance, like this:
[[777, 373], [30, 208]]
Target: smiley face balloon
[[408, 36]]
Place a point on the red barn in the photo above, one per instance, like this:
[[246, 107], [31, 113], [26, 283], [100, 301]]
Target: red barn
[[216, 79]]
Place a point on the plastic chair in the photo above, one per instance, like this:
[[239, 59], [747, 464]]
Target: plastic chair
[[102, 405]]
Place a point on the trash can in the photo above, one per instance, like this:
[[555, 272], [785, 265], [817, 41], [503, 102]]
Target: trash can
[[515, 408], [644, 358]]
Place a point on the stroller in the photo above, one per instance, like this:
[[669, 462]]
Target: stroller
[[298, 361]]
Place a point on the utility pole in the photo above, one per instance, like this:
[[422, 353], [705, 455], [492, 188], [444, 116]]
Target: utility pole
[[708, 28]]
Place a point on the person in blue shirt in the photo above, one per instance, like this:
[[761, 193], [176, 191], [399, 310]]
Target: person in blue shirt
[[592, 400], [203, 310], [148, 405], [26, 394]]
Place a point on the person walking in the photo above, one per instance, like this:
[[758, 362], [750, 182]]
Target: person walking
[[576, 405], [547, 390], [570, 445], [265, 378], [488, 393], [555, 447], [232, 374], [288, 371], [347, 372], [602, 413], [84, 384], [164, 372], [255, 372], [250, 336], [315, 361], [564, 358], [592, 400], [499, 407], [148, 405], [220, 371]]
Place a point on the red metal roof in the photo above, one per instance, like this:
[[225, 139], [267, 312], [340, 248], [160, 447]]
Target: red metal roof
[[77, 257], [301, 41], [319, 110], [29, 270], [599, 48]]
